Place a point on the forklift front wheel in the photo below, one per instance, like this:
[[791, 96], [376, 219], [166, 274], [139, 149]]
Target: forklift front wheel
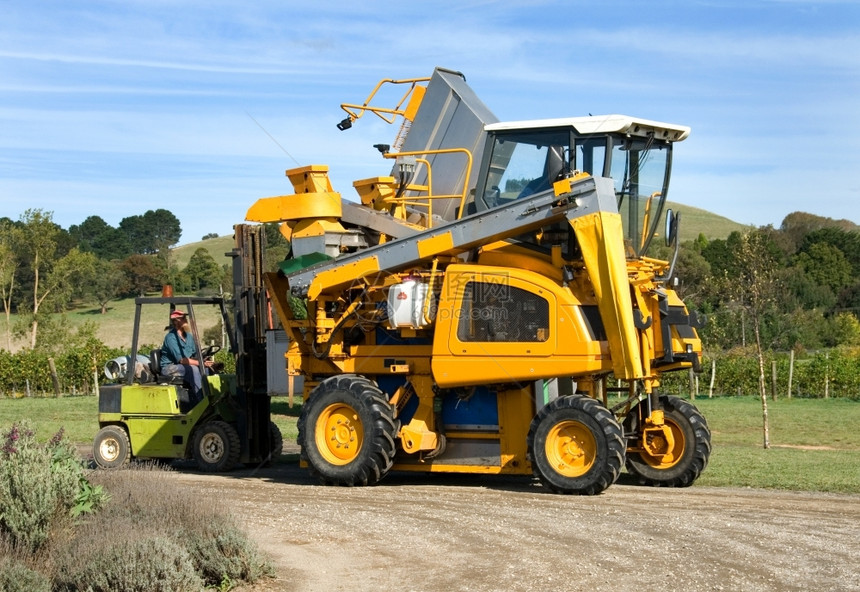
[[111, 447], [216, 447]]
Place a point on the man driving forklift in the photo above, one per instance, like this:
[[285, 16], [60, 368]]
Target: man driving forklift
[[179, 355]]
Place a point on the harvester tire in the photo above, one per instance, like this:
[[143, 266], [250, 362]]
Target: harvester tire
[[111, 447], [346, 431], [692, 446], [576, 446], [216, 447]]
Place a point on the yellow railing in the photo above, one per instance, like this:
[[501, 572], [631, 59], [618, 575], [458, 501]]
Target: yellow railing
[[426, 201], [388, 115]]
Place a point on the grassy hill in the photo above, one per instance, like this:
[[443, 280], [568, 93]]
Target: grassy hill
[[218, 247], [695, 221], [115, 326]]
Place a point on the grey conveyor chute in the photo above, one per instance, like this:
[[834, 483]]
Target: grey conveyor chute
[[586, 196]]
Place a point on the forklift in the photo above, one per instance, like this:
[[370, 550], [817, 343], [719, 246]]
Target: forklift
[[149, 415]]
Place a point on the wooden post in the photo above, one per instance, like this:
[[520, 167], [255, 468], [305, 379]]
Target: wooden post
[[713, 374], [773, 379], [692, 376], [790, 371], [54, 377], [95, 377], [827, 376]]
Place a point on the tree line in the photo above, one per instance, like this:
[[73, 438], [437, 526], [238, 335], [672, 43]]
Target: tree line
[[796, 287], [45, 269]]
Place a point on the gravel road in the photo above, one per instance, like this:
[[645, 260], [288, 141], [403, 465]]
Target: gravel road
[[417, 532]]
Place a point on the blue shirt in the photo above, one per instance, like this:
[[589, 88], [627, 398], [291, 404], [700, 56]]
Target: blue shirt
[[175, 348]]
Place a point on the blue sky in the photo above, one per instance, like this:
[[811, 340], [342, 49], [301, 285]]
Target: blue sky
[[116, 107]]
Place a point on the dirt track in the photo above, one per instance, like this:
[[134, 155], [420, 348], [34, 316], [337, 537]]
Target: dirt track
[[417, 532]]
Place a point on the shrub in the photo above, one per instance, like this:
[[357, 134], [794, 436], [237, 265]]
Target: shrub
[[221, 552], [42, 486], [146, 504], [142, 563], [77, 363], [15, 576]]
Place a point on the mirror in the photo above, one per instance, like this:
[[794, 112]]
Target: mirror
[[672, 222]]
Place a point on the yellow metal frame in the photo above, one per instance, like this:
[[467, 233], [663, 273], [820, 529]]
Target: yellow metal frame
[[426, 201], [356, 111]]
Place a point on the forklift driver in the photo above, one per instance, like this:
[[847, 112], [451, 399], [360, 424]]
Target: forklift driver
[[179, 355]]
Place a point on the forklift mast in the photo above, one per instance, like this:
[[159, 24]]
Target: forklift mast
[[250, 306]]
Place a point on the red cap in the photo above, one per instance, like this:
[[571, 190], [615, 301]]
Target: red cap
[[176, 314]]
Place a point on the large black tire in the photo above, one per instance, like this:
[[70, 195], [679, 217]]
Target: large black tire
[[690, 453], [576, 446], [111, 447], [216, 447], [347, 431]]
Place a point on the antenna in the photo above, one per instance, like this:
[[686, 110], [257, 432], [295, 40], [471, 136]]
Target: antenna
[[272, 138]]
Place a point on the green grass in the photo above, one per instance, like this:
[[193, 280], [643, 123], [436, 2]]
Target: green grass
[[217, 247], [79, 416], [114, 328], [815, 445], [695, 221]]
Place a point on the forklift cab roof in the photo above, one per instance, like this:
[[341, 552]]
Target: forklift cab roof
[[600, 124]]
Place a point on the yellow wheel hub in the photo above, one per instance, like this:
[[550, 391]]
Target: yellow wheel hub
[[571, 448], [339, 434], [661, 452]]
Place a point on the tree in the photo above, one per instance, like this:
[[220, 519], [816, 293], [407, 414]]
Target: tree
[[143, 273], [825, 265], [108, 283], [97, 236], [153, 232], [847, 242], [756, 288], [720, 254], [9, 263], [164, 229], [277, 246], [798, 225], [202, 271], [69, 278], [39, 236]]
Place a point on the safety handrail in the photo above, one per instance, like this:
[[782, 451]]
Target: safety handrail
[[427, 200], [389, 115]]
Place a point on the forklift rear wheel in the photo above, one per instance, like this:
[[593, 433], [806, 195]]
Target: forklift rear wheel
[[216, 447], [276, 444], [680, 464], [111, 447], [576, 446], [347, 430]]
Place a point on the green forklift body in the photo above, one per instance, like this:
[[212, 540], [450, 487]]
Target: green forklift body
[[156, 426]]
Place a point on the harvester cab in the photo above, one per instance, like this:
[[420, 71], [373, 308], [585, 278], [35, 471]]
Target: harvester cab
[[471, 313]]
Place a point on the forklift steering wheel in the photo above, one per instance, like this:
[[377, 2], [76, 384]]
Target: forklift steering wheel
[[210, 351]]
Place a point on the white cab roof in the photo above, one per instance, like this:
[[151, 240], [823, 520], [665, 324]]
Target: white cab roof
[[601, 124]]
